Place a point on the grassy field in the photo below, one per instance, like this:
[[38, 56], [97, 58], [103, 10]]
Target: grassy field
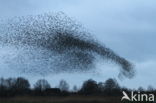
[[68, 99]]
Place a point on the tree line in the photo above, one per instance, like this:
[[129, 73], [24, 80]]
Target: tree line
[[21, 87]]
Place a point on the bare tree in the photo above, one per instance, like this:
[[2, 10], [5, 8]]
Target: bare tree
[[141, 89], [75, 89], [22, 84], [10, 83], [111, 84], [42, 84], [89, 87], [150, 88], [64, 86]]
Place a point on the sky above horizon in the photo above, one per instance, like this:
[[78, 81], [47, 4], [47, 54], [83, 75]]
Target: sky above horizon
[[128, 27]]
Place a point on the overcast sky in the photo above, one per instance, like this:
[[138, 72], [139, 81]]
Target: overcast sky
[[126, 26]]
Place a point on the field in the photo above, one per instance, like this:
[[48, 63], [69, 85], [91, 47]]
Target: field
[[69, 99]]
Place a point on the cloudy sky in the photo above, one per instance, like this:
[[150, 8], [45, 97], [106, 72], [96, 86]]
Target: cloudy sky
[[126, 26]]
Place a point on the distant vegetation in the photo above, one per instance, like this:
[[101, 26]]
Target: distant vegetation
[[20, 86], [19, 90]]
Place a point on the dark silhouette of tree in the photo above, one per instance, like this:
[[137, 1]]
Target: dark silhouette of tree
[[42, 85], [75, 89], [10, 83], [89, 87], [2, 83], [22, 84], [14, 86], [63, 85], [111, 84], [141, 89], [150, 88], [3, 87], [101, 86], [111, 87]]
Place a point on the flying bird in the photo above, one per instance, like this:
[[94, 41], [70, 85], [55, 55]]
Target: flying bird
[[62, 36]]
